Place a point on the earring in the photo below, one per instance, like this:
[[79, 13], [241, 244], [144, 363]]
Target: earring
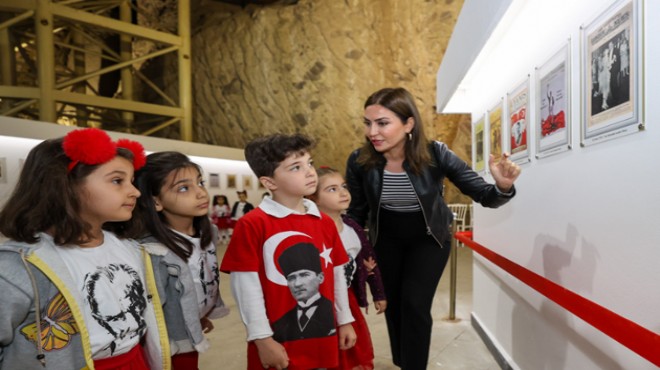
[[410, 136]]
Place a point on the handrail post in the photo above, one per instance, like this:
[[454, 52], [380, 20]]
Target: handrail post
[[453, 265]]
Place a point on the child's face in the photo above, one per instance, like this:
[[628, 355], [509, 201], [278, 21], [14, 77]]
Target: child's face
[[183, 195], [333, 195], [107, 194], [294, 177]]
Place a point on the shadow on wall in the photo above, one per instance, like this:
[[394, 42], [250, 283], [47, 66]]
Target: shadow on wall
[[552, 327]]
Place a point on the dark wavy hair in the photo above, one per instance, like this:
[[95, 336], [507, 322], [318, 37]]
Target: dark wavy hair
[[46, 198], [264, 154], [146, 221], [401, 103]]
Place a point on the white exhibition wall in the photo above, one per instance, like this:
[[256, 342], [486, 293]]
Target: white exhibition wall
[[586, 219], [18, 137]]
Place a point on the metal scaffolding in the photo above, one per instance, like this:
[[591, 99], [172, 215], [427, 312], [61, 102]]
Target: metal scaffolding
[[54, 53]]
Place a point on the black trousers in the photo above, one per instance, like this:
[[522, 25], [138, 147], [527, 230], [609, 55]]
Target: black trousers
[[411, 263]]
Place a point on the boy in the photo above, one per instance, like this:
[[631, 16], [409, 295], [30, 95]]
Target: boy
[[269, 256]]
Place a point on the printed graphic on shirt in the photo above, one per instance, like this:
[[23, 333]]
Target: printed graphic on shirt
[[349, 270], [209, 276], [300, 266], [57, 326], [121, 315]]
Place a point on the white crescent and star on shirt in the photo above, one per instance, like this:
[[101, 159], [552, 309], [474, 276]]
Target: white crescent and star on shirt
[[271, 245]]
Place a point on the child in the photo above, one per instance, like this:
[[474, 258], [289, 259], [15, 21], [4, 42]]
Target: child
[[242, 206], [172, 220], [221, 216], [332, 198], [286, 263], [74, 294]]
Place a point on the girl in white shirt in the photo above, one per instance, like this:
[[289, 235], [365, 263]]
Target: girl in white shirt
[[172, 220]]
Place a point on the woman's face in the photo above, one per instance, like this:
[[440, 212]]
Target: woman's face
[[385, 130]]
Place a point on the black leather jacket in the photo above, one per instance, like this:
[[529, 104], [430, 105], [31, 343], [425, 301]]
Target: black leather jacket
[[365, 186]]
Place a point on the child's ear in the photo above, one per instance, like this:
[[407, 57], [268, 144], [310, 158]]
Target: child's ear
[[268, 182], [159, 207]]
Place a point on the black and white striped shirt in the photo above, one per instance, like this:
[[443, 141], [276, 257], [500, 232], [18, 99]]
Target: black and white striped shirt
[[398, 194]]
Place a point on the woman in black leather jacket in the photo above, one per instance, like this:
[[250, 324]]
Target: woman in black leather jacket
[[396, 181]]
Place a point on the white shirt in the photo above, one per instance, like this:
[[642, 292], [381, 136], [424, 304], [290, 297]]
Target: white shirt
[[353, 246], [203, 266], [110, 279]]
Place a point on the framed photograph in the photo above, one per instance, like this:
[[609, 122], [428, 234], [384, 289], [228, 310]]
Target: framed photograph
[[495, 130], [612, 69], [231, 181], [517, 124], [553, 104], [214, 180], [478, 163], [3, 170], [247, 182]]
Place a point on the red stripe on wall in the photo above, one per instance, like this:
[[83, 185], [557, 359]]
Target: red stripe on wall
[[637, 338]]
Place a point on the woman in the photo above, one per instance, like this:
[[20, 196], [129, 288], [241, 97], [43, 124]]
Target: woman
[[395, 181]]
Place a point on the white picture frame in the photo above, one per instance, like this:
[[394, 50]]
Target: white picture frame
[[552, 121], [612, 67], [517, 136]]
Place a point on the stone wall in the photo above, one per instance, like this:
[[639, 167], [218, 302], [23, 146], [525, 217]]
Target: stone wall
[[309, 67]]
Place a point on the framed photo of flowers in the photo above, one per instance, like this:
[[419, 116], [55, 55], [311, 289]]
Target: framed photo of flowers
[[612, 68], [517, 123], [478, 130], [553, 104], [495, 130]]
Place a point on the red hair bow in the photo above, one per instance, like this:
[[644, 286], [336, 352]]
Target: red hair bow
[[93, 146], [90, 146], [139, 158]]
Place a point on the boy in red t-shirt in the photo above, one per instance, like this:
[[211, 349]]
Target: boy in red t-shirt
[[285, 261]]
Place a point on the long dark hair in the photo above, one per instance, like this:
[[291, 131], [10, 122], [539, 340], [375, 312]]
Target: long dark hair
[[46, 198], [150, 179], [401, 103]]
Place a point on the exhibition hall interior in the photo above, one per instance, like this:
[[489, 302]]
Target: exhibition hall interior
[[562, 276]]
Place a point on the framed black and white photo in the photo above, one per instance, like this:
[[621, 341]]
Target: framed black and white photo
[[517, 123], [553, 104], [612, 69], [478, 131]]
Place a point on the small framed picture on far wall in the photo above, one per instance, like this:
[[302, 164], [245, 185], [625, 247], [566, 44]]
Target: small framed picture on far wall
[[214, 180], [247, 182], [231, 181], [3, 170]]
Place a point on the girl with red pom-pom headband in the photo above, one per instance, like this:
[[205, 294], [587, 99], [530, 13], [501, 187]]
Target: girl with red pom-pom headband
[[68, 266], [92, 146]]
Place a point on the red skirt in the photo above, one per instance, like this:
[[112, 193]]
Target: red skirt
[[360, 356], [131, 360], [185, 361], [224, 223]]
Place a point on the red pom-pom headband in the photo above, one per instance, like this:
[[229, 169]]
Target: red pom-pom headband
[[92, 146]]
